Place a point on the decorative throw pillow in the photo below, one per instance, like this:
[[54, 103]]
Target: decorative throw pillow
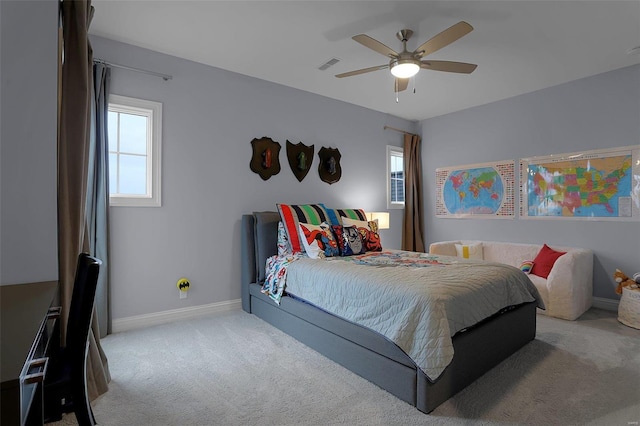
[[545, 260], [526, 266], [336, 215], [469, 251], [293, 214], [368, 231], [356, 214], [284, 246], [318, 240], [349, 240]]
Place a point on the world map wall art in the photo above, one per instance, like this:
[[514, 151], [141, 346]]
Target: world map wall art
[[478, 190], [598, 184], [601, 184]]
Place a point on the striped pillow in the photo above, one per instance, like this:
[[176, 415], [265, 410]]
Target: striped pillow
[[336, 215], [294, 214]]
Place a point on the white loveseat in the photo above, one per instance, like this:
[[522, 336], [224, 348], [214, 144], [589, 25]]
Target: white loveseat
[[568, 290]]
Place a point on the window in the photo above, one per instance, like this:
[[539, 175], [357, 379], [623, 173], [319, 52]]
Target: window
[[395, 177], [134, 127]]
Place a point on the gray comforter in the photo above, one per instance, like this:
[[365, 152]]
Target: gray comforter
[[418, 301]]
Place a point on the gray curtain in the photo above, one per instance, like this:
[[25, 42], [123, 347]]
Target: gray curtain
[[97, 227], [74, 136], [97, 208], [412, 228]]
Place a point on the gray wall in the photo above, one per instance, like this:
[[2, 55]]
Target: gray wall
[[592, 113], [210, 117], [28, 68]]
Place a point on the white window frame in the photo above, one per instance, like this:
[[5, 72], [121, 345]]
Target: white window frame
[[393, 151], [152, 110]]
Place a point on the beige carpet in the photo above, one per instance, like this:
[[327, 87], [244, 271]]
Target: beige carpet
[[235, 369]]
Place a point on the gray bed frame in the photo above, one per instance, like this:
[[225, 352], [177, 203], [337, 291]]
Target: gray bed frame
[[365, 352]]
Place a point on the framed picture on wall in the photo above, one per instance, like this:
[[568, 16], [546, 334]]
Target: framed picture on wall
[[595, 185], [483, 190]]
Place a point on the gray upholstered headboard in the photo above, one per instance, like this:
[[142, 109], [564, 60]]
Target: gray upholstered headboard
[[259, 242]]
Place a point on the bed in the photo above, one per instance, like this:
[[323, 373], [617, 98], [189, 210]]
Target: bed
[[366, 352]]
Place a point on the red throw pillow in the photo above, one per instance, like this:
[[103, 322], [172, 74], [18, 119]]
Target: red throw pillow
[[544, 261]]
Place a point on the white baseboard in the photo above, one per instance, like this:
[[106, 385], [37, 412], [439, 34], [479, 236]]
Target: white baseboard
[[606, 304], [155, 318]]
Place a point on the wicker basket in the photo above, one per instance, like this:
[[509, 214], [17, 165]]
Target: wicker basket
[[629, 308]]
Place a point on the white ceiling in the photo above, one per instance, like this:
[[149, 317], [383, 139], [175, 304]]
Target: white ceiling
[[519, 46]]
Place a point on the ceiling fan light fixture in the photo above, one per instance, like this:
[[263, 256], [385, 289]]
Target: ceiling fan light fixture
[[405, 69]]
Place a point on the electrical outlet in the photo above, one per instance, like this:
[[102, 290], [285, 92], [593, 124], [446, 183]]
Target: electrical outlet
[[183, 285]]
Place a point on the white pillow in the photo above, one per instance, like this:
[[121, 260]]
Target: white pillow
[[469, 251]]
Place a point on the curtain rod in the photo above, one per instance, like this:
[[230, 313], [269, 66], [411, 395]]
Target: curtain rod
[[165, 77], [398, 130]]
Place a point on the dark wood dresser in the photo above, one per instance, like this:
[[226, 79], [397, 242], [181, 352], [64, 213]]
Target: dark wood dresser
[[27, 321]]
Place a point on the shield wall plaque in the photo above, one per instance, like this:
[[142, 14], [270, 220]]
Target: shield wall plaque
[[265, 160], [329, 168], [300, 158]]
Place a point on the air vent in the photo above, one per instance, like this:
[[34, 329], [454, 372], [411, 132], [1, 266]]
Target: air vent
[[331, 62], [634, 51]]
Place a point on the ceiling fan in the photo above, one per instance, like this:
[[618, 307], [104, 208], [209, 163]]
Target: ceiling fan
[[406, 64]]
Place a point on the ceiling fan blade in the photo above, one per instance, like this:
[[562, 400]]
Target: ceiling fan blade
[[445, 38], [362, 71], [449, 66], [400, 84], [374, 44]]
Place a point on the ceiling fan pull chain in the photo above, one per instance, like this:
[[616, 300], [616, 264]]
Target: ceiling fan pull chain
[[395, 83]]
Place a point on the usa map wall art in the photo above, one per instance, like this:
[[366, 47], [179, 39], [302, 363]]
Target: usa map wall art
[[598, 185]]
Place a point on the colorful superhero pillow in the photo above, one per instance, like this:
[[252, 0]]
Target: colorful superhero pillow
[[368, 231], [349, 240], [294, 214], [284, 246], [318, 240]]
